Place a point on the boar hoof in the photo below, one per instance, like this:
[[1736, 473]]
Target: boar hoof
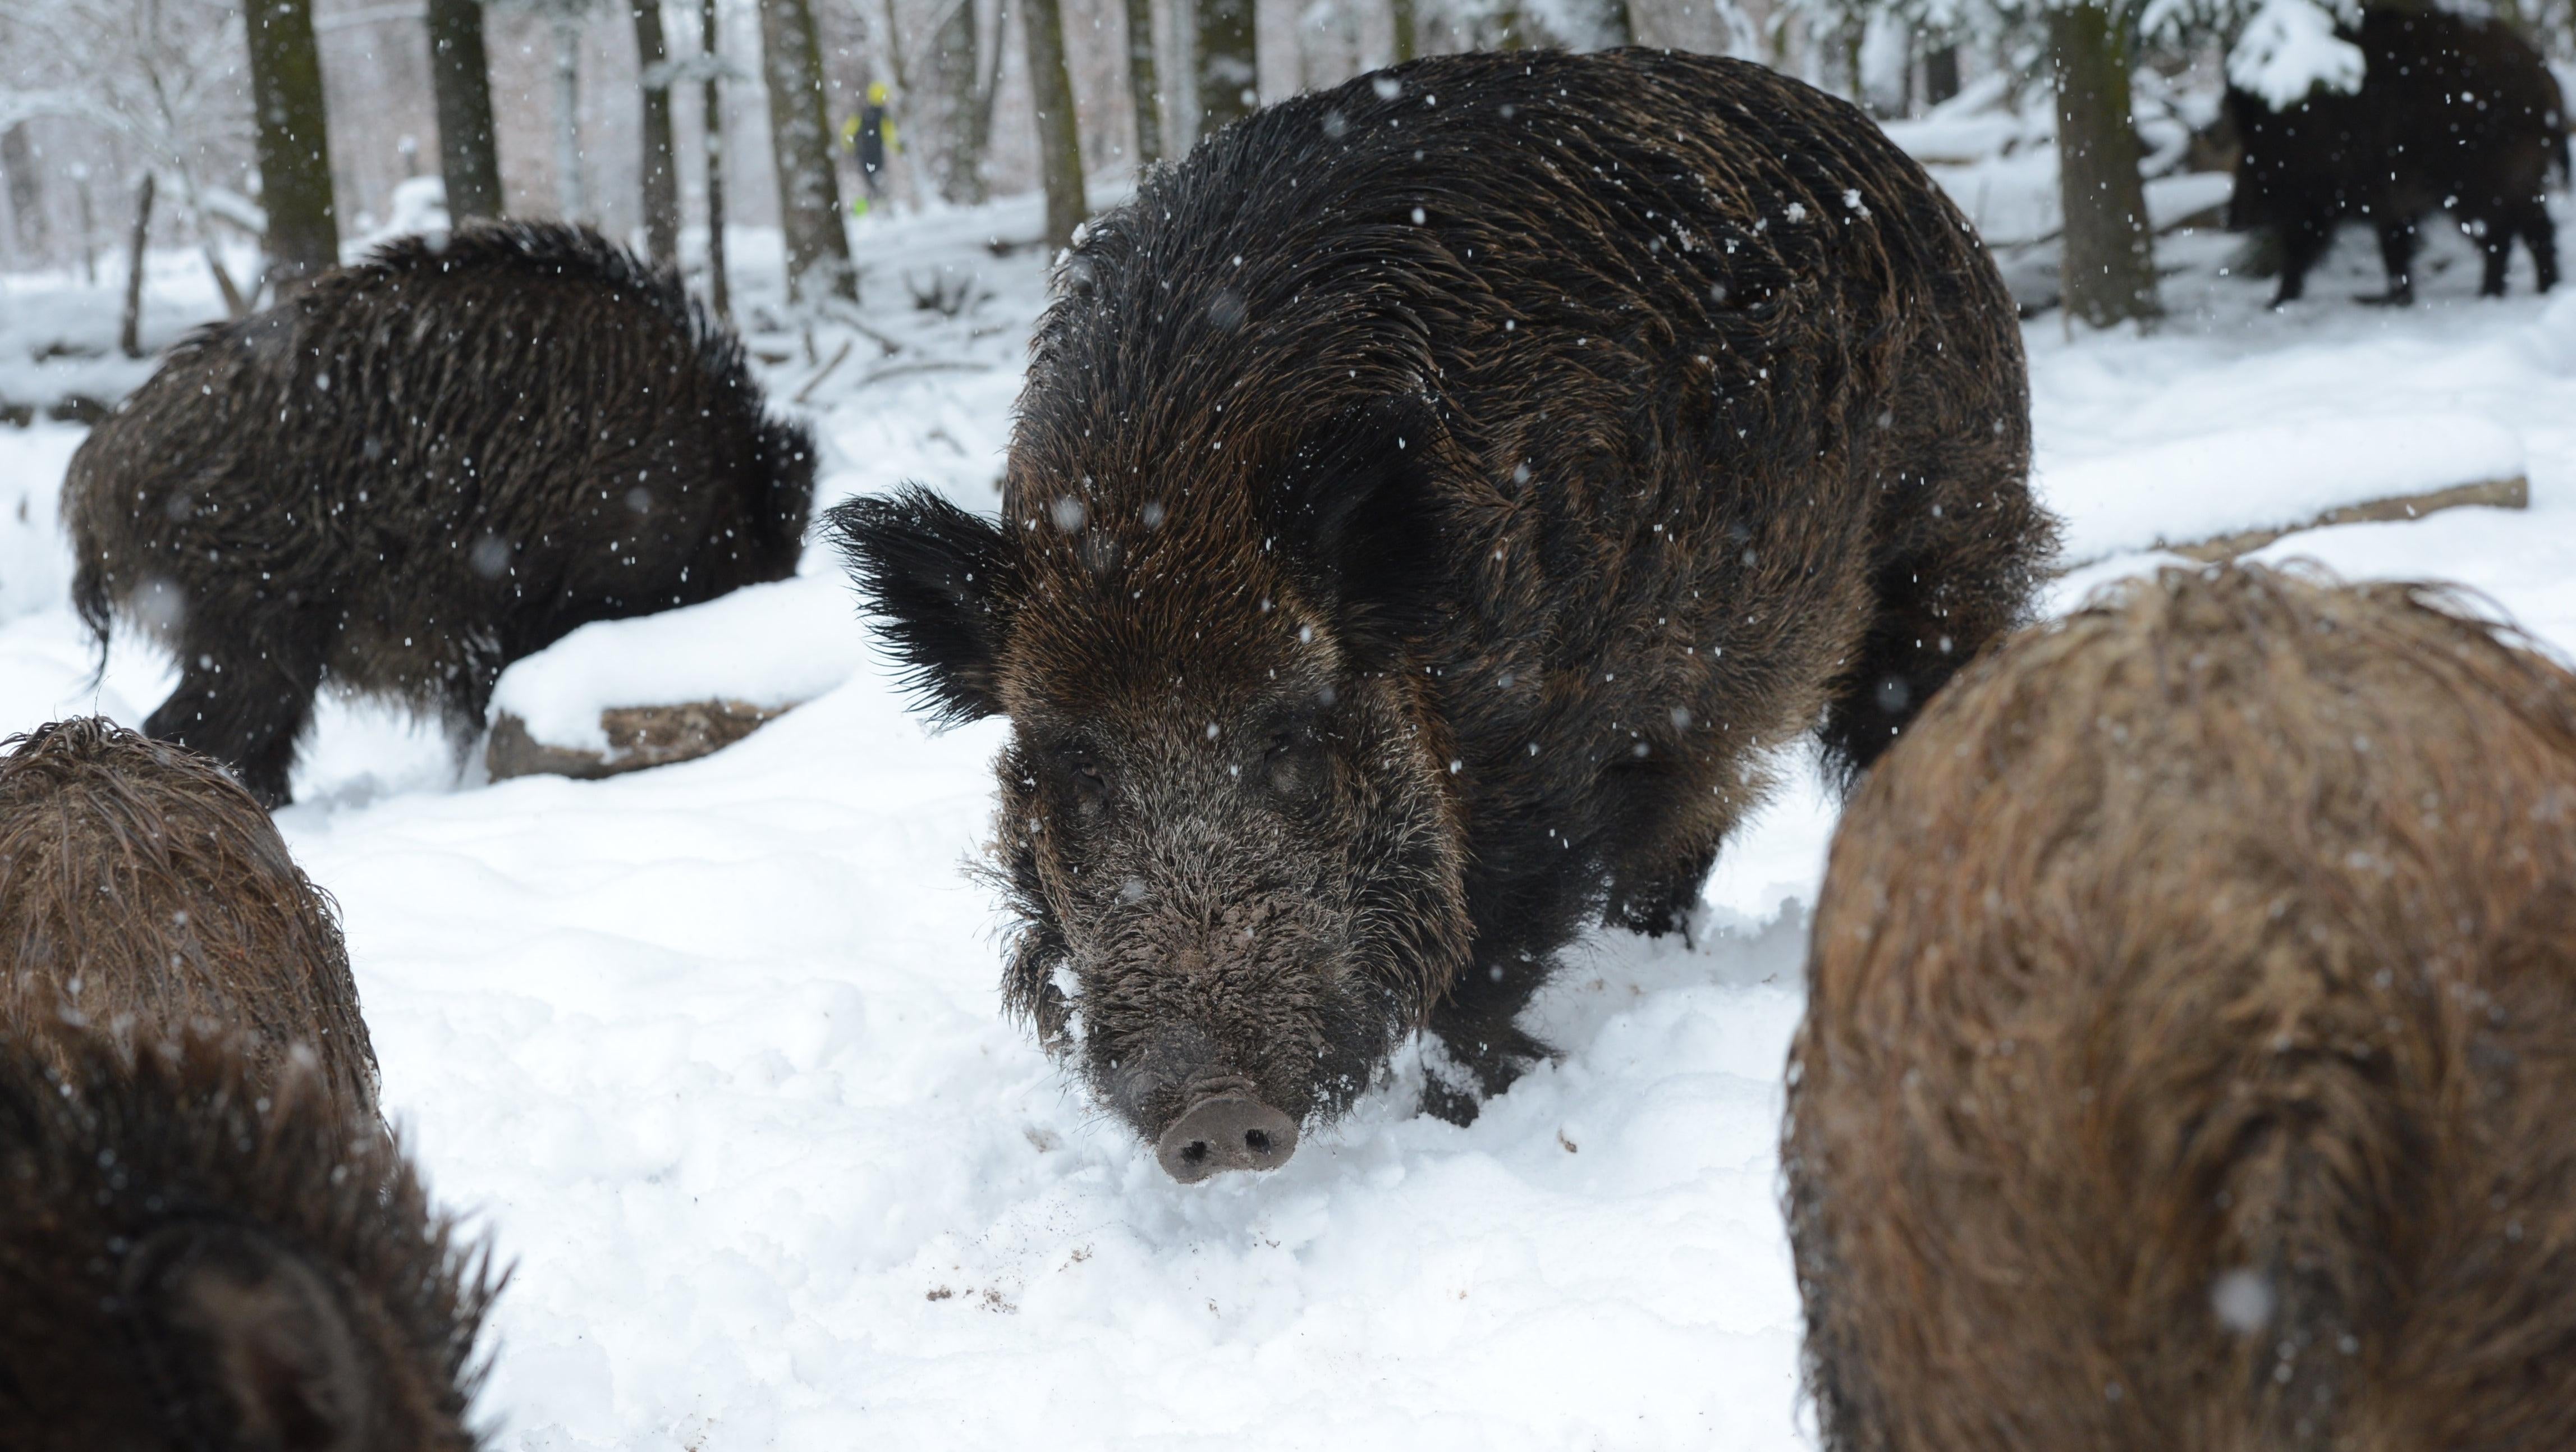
[[1226, 1132]]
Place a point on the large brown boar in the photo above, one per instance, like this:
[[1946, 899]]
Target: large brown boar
[[420, 469], [2454, 113], [1434, 504], [2187, 1057], [141, 890], [199, 1256]]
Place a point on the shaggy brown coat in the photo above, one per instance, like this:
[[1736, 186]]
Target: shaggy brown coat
[[1432, 504], [2191, 1041], [141, 889], [198, 1254]]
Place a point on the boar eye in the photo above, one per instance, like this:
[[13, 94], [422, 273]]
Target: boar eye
[[1294, 761], [1088, 780]]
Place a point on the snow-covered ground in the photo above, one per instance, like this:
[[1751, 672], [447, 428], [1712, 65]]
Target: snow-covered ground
[[714, 1050]]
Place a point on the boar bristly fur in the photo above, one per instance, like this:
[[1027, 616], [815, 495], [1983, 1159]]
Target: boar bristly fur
[[420, 469], [2453, 113], [142, 890], [2186, 1065], [1432, 504], [197, 1255]]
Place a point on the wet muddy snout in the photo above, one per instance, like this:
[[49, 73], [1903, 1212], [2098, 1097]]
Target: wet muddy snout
[[1226, 1130]]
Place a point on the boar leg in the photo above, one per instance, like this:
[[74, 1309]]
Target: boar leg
[[1654, 896], [245, 704], [1476, 1023], [2495, 244], [2303, 244], [2540, 234], [2397, 257]]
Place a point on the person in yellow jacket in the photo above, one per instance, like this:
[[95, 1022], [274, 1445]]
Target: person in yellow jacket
[[871, 134]]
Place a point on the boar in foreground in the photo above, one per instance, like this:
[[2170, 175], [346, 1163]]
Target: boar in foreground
[[1434, 503], [199, 1256], [419, 470], [2453, 113], [140, 889], [2186, 1056]]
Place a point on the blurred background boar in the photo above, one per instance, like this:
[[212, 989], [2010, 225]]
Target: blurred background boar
[[141, 890], [419, 470], [2453, 113], [2186, 1056], [199, 1256], [1432, 505]]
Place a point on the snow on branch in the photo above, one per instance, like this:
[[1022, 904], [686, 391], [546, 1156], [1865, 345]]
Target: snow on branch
[[2291, 49]]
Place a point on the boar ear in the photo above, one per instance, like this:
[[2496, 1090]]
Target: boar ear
[[932, 575], [253, 1341], [1358, 509]]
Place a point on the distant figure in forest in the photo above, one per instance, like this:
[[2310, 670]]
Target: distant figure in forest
[[870, 134]]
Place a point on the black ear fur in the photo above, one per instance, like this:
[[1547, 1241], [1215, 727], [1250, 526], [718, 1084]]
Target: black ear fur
[[254, 1341], [933, 576], [1358, 510]]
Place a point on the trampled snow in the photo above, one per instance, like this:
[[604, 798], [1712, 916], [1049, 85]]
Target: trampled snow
[[714, 1051]]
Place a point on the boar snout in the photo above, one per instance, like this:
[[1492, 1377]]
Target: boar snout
[[1226, 1130]]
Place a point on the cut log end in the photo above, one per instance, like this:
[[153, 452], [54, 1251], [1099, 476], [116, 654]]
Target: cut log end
[[638, 737]]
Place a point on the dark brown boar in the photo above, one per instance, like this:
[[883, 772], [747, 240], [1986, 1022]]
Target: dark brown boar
[[1434, 504], [2453, 113], [2186, 1064], [141, 890], [199, 1256], [420, 469]]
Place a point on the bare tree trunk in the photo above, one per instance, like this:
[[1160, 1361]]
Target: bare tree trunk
[[26, 190], [1228, 55], [1059, 134], [661, 177], [719, 296], [294, 145], [89, 226], [129, 332], [570, 197], [460, 80], [1400, 12], [2109, 273], [800, 144], [964, 115], [1941, 74], [1144, 92]]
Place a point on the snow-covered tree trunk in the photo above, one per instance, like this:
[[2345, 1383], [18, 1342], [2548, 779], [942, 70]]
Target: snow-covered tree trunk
[[659, 176], [1059, 132], [800, 144], [719, 294], [26, 191], [294, 142], [1400, 17], [1228, 57], [460, 80], [571, 199], [129, 332], [2109, 273], [966, 112], [1144, 91]]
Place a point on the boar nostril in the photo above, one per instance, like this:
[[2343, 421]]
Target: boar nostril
[[1230, 1131]]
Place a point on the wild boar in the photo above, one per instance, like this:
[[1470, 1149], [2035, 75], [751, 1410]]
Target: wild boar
[[420, 469], [2185, 1063], [1433, 505], [2453, 113]]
